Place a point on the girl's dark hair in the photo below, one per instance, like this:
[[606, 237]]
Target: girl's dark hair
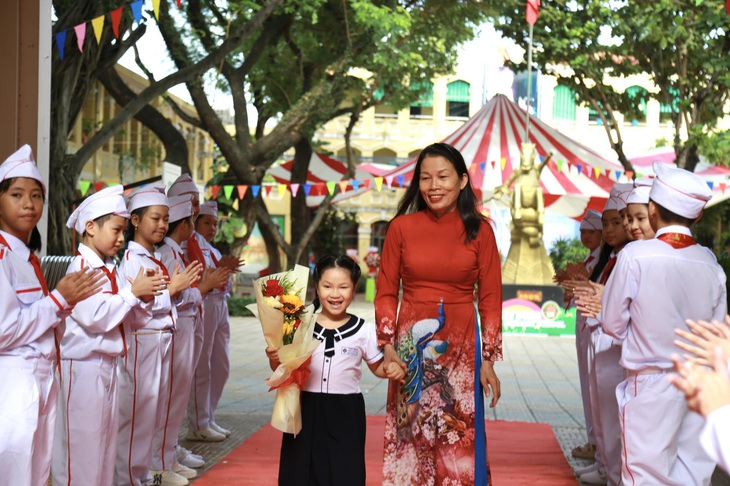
[[603, 258], [129, 232], [171, 227], [412, 201], [335, 261], [36, 242]]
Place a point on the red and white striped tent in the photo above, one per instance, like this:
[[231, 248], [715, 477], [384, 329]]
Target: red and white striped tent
[[717, 176], [325, 175], [577, 177]]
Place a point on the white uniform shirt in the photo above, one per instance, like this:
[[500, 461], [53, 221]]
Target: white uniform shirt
[[336, 365], [94, 326], [593, 322], [715, 435], [163, 312], [187, 301], [216, 256], [27, 317], [653, 290]]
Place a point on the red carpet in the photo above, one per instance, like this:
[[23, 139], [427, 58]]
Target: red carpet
[[519, 453]]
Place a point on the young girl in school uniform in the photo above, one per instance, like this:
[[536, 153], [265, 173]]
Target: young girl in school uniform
[[144, 375], [29, 318], [330, 449], [638, 210]]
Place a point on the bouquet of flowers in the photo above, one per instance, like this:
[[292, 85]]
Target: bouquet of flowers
[[574, 275], [287, 326]]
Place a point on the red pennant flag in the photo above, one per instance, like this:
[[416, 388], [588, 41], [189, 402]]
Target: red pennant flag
[[727, 7], [116, 18], [722, 184], [343, 186], [178, 5], [214, 191], [242, 191], [366, 183], [98, 186], [533, 9], [629, 174], [267, 189]]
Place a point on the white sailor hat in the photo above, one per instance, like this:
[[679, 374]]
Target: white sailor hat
[[210, 208], [109, 200], [617, 199], [640, 194], [149, 195], [679, 191], [21, 164], [183, 185], [591, 221], [180, 207]]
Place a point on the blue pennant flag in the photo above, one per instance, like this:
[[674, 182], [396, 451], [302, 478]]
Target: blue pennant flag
[[307, 189], [355, 184], [580, 168], [618, 174], [61, 42], [255, 190], [137, 11], [400, 180], [710, 184], [483, 166]]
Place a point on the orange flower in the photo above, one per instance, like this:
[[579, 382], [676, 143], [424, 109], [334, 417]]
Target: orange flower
[[291, 304]]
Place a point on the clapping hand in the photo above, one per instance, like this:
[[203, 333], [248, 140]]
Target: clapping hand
[[230, 262], [706, 389], [703, 339], [147, 284], [80, 285], [588, 299], [180, 281]]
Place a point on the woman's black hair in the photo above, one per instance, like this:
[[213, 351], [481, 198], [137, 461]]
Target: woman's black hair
[[36, 241], [603, 258], [129, 232], [172, 226], [335, 261], [412, 201]]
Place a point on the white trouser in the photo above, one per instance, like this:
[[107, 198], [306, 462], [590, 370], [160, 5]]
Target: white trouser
[[28, 396], [85, 445], [219, 361], [605, 374], [661, 437], [143, 379], [582, 343], [175, 402], [200, 411]]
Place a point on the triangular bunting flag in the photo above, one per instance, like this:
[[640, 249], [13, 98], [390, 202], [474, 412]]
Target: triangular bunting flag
[[98, 186], [618, 175], [580, 168], [560, 165], [366, 183], [379, 183], [629, 174], [235, 204], [294, 189], [307, 189], [137, 11], [400, 180], [503, 162], [282, 189], [214, 192], [156, 8], [722, 187], [710, 184], [597, 171], [389, 180], [483, 166], [267, 189], [228, 191], [355, 184], [84, 186], [343, 186], [494, 164], [116, 18], [80, 35], [98, 25], [255, 189], [331, 187], [61, 43], [178, 5], [319, 188], [242, 191]]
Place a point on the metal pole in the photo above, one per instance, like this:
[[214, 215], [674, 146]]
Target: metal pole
[[529, 87]]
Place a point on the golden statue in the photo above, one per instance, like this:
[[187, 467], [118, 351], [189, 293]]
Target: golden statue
[[527, 261]]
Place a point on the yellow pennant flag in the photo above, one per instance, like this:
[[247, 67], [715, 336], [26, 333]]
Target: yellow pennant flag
[[503, 162], [235, 204], [379, 183], [156, 7], [597, 171], [282, 189], [98, 25]]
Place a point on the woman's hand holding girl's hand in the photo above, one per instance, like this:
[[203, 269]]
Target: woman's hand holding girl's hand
[[490, 382], [180, 281], [394, 372], [213, 279], [391, 360], [146, 285], [80, 285]]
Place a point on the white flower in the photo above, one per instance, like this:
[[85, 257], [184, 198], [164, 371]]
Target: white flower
[[273, 302]]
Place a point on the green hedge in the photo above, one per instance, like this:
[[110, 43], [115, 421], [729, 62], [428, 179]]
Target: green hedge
[[237, 306]]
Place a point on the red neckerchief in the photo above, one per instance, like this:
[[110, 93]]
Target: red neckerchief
[[166, 274], [677, 240], [607, 270], [588, 260], [194, 250]]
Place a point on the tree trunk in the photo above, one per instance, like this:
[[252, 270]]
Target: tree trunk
[[300, 213], [272, 248]]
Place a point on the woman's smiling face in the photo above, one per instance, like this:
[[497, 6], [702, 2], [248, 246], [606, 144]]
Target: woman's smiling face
[[440, 184]]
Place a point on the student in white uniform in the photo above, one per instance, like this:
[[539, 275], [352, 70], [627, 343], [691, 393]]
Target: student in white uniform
[[144, 378], [658, 284], [637, 210], [85, 444], [590, 236], [187, 303], [30, 325], [330, 449], [604, 352]]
